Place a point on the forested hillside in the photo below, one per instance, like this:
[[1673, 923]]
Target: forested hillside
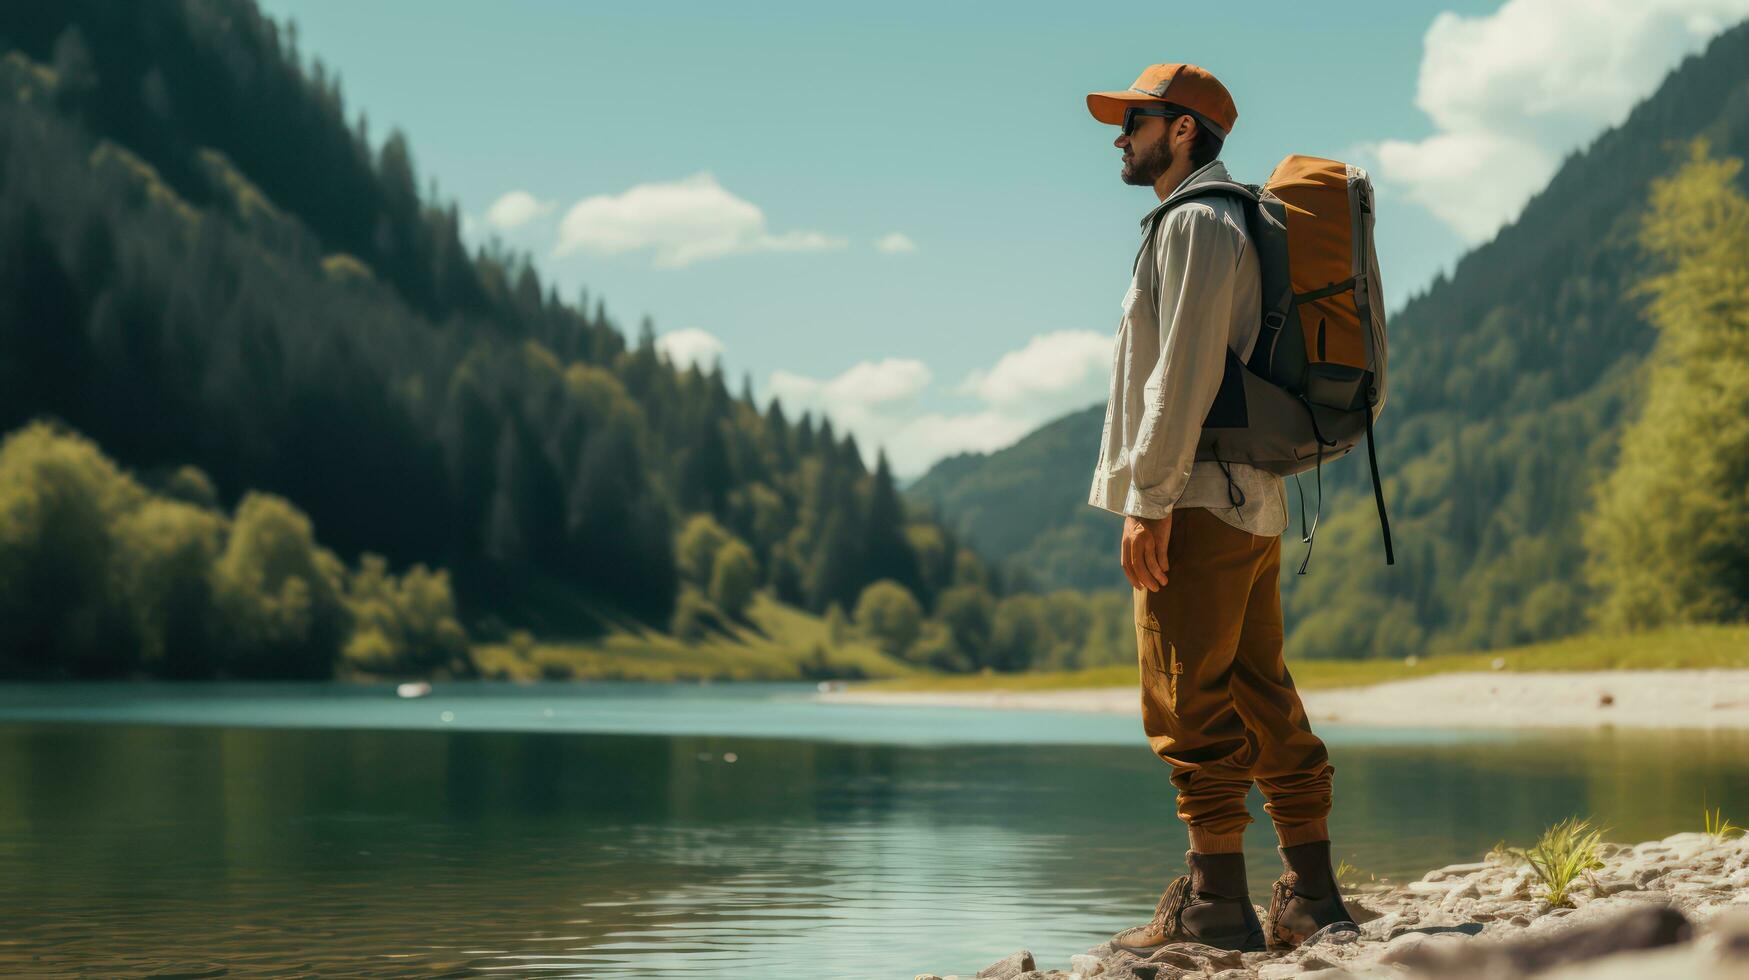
[[204, 262], [1511, 383]]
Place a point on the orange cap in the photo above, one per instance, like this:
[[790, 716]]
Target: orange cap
[[1185, 85]]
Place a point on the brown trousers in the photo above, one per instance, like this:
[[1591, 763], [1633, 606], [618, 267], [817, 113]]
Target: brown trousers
[[1218, 703]]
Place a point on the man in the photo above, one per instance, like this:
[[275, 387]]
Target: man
[[1201, 540]]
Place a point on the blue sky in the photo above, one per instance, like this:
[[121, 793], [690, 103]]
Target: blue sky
[[734, 171]]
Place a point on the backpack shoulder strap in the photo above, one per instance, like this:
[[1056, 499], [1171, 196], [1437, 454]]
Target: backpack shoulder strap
[[1246, 193]]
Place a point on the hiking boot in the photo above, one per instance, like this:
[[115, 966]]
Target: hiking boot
[[1305, 898], [1211, 905]]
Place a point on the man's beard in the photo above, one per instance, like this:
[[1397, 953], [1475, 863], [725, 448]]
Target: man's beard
[[1145, 169]]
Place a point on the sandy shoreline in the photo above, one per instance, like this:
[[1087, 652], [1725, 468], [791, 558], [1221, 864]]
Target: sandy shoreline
[[1568, 699]]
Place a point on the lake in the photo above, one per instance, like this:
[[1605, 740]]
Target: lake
[[629, 830]]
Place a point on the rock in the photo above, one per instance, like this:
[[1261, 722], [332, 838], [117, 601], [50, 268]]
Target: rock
[[1361, 911], [1149, 971], [1628, 930], [1457, 870], [1405, 949], [1334, 934], [926, 976], [1465, 890], [1518, 886], [1278, 971], [1086, 964], [1173, 956], [1650, 897], [1009, 966], [1436, 928], [1209, 956], [1119, 959], [1232, 975], [1380, 929], [1729, 936]]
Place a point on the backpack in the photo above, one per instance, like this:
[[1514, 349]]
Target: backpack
[[1315, 381]]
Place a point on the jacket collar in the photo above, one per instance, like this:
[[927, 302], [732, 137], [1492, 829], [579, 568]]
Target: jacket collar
[[1211, 172]]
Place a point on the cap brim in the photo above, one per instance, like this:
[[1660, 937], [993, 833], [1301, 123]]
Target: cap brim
[[1108, 107]]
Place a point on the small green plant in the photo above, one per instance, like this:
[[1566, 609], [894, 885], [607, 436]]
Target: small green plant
[[1565, 853], [1501, 854], [1348, 876], [1717, 825]]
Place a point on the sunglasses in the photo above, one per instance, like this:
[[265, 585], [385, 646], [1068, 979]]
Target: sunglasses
[[1133, 114]]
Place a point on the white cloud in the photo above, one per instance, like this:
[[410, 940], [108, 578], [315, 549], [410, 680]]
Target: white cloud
[[1062, 366], [682, 222], [894, 242], [922, 441], [879, 401], [1512, 92], [688, 346], [517, 208], [859, 389]]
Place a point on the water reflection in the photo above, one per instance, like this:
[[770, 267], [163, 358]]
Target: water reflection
[[130, 848]]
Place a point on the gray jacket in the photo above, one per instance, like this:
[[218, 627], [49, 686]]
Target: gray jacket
[[1201, 273]]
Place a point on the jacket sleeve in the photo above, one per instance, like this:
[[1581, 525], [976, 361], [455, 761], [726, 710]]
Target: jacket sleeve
[[1197, 258]]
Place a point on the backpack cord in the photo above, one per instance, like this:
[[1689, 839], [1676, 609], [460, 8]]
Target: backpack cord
[[1317, 434], [1377, 490], [1232, 487], [1307, 537]]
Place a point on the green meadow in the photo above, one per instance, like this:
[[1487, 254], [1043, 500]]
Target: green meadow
[[1670, 648]]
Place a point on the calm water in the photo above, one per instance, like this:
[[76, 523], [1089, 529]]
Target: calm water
[[601, 830]]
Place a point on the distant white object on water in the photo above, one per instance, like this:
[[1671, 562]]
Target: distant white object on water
[[825, 686], [447, 716], [730, 757], [413, 689]]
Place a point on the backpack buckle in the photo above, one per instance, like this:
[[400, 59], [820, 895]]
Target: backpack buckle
[[1274, 319]]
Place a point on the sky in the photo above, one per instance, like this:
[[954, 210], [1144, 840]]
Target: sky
[[902, 215]]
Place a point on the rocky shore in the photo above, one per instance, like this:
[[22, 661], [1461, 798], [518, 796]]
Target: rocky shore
[[1677, 907]]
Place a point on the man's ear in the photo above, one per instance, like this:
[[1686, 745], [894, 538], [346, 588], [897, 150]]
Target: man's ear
[[1184, 128]]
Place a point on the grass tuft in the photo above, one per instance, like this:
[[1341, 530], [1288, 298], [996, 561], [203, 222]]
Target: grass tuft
[[1565, 853], [1348, 877], [1717, 825]]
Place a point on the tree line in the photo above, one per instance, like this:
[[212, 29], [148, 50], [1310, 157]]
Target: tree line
[[202, 261]]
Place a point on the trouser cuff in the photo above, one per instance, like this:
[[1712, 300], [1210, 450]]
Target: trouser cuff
[[1303, 833], [1206, 842]]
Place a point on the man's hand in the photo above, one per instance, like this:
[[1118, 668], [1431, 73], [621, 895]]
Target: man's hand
[[1144, 550]]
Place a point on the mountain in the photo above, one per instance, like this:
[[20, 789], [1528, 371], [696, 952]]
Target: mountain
[[1026, 505], [1511, 381], [203, 262]]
